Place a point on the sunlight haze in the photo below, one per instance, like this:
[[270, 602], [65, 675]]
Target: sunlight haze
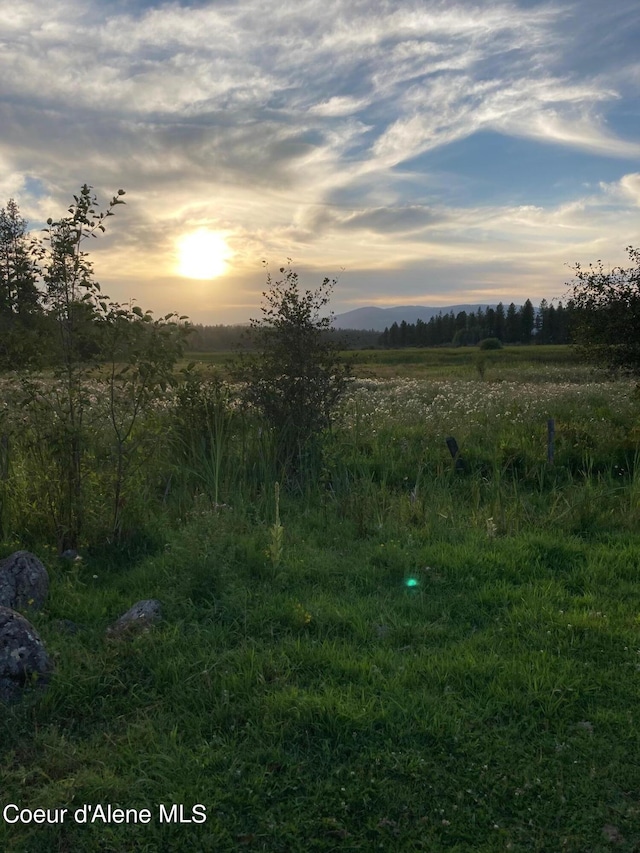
[[202, 255]]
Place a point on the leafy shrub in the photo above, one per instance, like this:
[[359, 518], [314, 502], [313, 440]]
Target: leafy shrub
[[490, 343], [606, 324], [297, 379]]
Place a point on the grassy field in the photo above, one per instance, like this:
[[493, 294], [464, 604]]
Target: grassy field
[[429, 659], [425, 363]]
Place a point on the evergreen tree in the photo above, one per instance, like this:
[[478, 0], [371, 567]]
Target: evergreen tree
[[527, 316], [538, 323], [562, 322], [421, 333], [460, 323], [448, 327], [512, 325], [552, 325], [500, 323], [22, 332], [18, 289], [489, 326], [437, 329]]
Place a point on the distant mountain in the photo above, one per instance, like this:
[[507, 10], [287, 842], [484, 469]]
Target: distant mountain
[[379, 318]]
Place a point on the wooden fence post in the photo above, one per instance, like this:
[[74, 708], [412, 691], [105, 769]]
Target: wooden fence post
[[551, 434], [454, 450]]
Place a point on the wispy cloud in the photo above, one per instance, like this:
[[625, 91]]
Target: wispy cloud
[[302, 129]]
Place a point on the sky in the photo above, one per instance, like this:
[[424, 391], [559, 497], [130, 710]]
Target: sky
[[421, 153]]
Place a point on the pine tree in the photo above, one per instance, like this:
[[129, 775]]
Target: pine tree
[[527, 316], [499, 328], [512, 325], [21, 338]]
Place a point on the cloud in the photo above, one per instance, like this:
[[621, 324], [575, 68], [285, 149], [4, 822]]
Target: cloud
[[301, 124], [337, 106], [392, 220], [626, 189], [578, 129]]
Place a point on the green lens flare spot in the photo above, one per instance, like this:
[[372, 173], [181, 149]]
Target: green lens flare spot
[[411, 582]]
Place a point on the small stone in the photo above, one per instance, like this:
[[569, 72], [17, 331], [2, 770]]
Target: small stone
[[24, 582], [69, 554], [137, 619], [23, 658]]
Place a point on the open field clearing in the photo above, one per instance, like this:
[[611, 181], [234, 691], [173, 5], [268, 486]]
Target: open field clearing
[[424, 658], [442, 362]]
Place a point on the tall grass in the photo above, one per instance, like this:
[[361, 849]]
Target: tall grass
[[299, 686], [386, 445]]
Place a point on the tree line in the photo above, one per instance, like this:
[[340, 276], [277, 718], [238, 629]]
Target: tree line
[[220, 338], [30, 312], [550, 324], [51, 309]]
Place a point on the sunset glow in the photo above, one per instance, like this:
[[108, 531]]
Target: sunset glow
[[202, 254], [448, 153]]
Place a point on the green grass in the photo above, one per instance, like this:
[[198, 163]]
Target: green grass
[[492, 704], [206, 359], [457, 361], [426, 362], [324, 703]]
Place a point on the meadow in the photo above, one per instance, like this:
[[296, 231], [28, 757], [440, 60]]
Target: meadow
[[396, 654]]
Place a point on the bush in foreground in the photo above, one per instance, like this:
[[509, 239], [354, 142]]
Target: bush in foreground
[[297, 379]]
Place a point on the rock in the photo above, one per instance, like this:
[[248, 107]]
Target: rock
[[70, 554], [23, 658], [138, 618], [24, 582]]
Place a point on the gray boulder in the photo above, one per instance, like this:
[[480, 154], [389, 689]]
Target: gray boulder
[[24, 660], [24, 582], [137, 619]]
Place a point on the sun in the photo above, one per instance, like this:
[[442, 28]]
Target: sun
[[202, 254]]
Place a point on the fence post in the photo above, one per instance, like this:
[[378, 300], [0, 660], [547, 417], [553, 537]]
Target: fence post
[[454, 450], [551, 434]]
